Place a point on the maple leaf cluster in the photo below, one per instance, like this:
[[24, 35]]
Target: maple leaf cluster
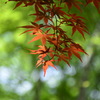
[[55, 44]]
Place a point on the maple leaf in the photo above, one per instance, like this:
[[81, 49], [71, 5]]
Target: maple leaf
[[34, 28], [61, 47], [56, 41], [64, 58], [42, 15], [71, 3], [46, 64], [37, 6], [77, 24], [47, 2], [39, 62], [42, 51], [75, 49], [57, 11], [25, 2], [42, 37], [96, 3]]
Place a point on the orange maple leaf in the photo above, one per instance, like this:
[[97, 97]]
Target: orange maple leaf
[[34, 28], [41, 36], [46, 64]]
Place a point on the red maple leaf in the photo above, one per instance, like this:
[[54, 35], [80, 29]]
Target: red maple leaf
[[64, 58], [42, 15], [96, 3], [56, 11], [71, 3], [75, 49], [56, 46], [25, 2], [77, 24]]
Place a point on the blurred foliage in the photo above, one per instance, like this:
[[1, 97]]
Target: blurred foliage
[[20, 80]]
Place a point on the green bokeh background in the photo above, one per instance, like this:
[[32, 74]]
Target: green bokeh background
[[21, 80]]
